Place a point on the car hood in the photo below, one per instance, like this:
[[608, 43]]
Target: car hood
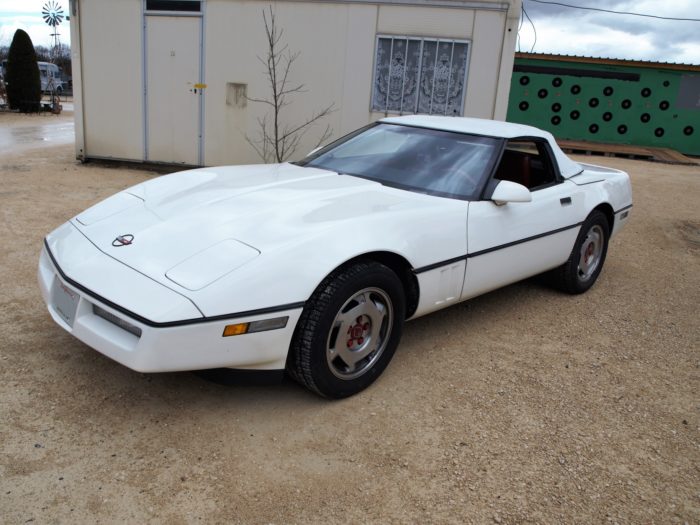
[[193, 227]]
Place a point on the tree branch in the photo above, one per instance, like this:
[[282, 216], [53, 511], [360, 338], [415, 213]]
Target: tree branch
[[274, 140]]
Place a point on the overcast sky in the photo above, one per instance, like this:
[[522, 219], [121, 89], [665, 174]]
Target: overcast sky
[[560, 30], [26, 14], [563, 30]]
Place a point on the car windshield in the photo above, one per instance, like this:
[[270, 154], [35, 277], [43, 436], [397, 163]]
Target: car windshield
[[429, 161]]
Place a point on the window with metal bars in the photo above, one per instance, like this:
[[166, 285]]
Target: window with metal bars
[[420, 75]]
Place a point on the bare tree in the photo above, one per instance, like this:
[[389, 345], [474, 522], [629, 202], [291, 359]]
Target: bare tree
[[276, 141], [43, 53]]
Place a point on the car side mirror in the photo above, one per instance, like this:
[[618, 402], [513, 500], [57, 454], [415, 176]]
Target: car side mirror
[[508, 191]]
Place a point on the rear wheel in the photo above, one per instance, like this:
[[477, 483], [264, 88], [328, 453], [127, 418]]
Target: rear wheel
[[587, 257], [348, 331]]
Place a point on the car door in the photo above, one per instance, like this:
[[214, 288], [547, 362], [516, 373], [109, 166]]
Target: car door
[[515, 240]]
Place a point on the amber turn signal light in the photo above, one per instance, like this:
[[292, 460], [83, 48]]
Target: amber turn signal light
[[255, 326]]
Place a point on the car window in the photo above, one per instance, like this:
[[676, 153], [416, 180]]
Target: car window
[[429, 161], [526, 162]]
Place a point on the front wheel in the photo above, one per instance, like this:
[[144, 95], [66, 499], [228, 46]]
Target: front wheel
[[348, 331], [587, 257]]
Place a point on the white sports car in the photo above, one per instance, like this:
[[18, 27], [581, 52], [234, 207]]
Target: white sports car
[[312, 267]]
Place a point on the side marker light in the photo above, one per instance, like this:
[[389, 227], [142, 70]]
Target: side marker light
[[255, 326], [235, 329]]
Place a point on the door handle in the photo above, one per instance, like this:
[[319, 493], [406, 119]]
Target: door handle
[[565, 201]]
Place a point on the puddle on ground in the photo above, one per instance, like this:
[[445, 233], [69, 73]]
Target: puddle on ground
[[14, 139]]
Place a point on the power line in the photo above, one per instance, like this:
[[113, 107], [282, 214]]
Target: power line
[[616, 12], [533, 27], [520, 24]]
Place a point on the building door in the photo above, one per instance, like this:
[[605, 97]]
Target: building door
[[174, 89]]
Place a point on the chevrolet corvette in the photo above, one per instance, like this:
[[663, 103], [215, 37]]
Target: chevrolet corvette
[[312, 267]]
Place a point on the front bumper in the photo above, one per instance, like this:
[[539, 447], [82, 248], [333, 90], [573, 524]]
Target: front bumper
[[191, 346]]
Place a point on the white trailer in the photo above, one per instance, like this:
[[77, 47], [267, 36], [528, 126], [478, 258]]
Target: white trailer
[[171, 81]]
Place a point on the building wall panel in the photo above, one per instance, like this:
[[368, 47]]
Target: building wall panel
[[235, 39], [423, 21], [112, 96], [482, 82]]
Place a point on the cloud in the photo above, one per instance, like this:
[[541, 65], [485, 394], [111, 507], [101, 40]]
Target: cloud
[[26, 15], [563, 30], [28, 6], [689, 53], [39, 32]]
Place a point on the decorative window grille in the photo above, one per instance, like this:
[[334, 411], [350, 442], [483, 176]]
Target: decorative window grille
[[420, 75]]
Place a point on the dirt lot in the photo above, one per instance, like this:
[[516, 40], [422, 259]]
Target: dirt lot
[[522, 406]]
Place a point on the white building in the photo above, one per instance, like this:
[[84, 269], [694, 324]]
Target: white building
[[169, 80]]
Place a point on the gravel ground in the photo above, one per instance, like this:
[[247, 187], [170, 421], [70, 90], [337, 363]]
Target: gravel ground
[[522, 406]]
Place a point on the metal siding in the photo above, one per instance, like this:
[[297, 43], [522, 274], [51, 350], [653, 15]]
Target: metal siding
[[112, 101], [664, 85], [484, 61], [434, 22]]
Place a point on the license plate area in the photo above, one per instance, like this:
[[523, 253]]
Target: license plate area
[[64, 301]]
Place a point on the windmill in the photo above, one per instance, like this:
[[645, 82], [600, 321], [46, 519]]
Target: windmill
[[52, 13]]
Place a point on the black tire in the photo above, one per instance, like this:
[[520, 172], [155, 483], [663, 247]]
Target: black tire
[[576, 276], [321, 342]]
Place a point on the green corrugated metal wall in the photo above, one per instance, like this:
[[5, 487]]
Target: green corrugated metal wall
[[608, 103]]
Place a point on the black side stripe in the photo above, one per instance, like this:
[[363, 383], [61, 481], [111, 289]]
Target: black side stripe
[[526, 239], [148, 322], [622, 209], [493, 249], [438, 264]]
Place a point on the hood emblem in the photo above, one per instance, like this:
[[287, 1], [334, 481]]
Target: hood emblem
[[123, 240]]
